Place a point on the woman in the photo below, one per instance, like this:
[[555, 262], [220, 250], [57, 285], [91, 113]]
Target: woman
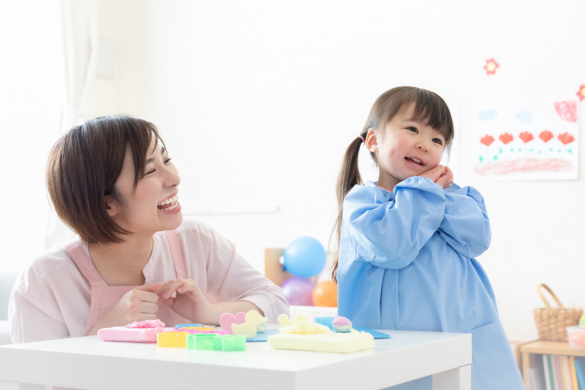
[[111, 180]]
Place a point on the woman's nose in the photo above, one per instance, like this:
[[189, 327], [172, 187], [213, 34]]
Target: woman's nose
[[172, 177]]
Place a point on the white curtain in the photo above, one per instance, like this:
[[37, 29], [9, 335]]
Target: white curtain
[[80, 36]]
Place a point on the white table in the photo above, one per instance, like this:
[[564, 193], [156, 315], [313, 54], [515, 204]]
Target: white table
[[88, 363]]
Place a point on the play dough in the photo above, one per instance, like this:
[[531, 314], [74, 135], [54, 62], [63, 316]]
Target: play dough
[[323, 342]]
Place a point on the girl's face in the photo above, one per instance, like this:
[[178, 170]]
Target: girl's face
[[404, 148], [153, 205]]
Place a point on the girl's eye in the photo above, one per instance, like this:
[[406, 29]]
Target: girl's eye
[[413, 129], [438, 141]]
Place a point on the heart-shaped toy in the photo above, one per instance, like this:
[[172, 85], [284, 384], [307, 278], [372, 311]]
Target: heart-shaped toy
[[227, 319]]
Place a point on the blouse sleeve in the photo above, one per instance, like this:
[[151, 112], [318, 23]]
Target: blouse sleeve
[[391, 232], [231, 278], [466, 226], [33, 312]]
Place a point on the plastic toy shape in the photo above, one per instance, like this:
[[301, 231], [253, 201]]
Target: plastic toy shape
[[227, 319], [341, 325], [582, 321], [179, 326], [248, 328], [298, 291], [326, 342], [325, 294], [136, 332], [172, 339], [215, 342], [261, 327], [199, 328], [230, 342], [284, 320], [305, 257]]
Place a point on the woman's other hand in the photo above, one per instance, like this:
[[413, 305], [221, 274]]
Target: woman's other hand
[[186, 299], [138, 304]]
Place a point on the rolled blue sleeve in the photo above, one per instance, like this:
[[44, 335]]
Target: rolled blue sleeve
[[466, 225], [391, 228]]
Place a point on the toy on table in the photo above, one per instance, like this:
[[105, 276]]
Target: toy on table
[[341, 325], [306, 336], [247, 324], [136, 332]]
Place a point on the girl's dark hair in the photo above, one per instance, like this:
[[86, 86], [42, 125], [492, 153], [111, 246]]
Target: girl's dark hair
[[83, 167], [428, 107]]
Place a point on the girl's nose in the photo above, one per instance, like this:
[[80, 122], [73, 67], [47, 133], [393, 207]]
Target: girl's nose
[[423, 146]]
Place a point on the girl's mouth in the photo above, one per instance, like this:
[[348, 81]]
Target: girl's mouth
[[414, 160]]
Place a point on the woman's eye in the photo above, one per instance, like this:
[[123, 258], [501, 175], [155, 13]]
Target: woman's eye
[[168, 160], [149, 172]]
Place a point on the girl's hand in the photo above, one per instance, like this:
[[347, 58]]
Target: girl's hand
[[139, 304], [184, 298], [434, 173], [446, 179]]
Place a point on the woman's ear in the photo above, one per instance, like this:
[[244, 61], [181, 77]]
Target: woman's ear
[[111, 205], [372, 141]]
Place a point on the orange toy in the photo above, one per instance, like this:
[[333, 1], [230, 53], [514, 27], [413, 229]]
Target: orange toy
[[325, 294]]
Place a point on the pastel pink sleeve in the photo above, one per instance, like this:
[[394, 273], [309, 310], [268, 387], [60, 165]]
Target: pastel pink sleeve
[[232, 278], [28, 322]]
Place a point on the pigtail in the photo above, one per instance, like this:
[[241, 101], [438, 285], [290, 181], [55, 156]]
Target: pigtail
[[349, 176]]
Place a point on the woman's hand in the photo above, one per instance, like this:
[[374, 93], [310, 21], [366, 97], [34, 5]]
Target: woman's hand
[[139, 304], [184, 298]]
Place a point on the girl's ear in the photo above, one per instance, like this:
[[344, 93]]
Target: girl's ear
[[111, 205], [372, 141]]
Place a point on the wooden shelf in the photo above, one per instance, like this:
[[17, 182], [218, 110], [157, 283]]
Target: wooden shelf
[[529, 354]]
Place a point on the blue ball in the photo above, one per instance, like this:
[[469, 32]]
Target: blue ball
[[304, 257]]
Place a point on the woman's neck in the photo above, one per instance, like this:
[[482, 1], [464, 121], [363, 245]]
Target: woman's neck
[[121, 264]]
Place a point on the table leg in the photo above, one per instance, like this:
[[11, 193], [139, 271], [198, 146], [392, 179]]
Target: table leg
[[455, 379]]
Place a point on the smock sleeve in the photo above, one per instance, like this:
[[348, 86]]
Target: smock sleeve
[[231, 278], [466, 226], [389, 229]]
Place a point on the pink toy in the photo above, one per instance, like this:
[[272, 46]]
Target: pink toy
[[227, 319], [136, 332], [341, 325], [577, 339]]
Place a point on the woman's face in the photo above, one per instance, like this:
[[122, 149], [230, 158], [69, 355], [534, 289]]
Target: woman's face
[[153, 205]]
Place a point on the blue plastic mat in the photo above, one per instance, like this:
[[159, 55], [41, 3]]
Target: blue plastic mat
[[263, 336]]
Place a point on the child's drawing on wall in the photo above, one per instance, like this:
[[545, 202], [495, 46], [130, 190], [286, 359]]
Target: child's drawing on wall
[[527, 142]]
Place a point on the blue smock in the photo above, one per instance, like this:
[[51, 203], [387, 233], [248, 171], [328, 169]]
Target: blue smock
[[406, 261]]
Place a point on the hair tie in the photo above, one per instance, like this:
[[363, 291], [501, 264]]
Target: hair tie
[[362, 138]]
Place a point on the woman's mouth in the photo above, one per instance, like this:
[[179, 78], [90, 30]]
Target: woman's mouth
[[169, 204]]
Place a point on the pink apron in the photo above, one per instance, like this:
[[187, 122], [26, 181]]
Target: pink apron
[[104, 297]]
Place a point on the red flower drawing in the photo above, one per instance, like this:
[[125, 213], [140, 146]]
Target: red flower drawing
[[490, 66], [506, 138], [545, 135], [567, 110], [566, 138], [581, 92], [487, 140], [526, 136]]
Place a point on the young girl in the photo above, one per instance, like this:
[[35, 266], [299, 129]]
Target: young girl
[[407, 243], [112, 181]]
